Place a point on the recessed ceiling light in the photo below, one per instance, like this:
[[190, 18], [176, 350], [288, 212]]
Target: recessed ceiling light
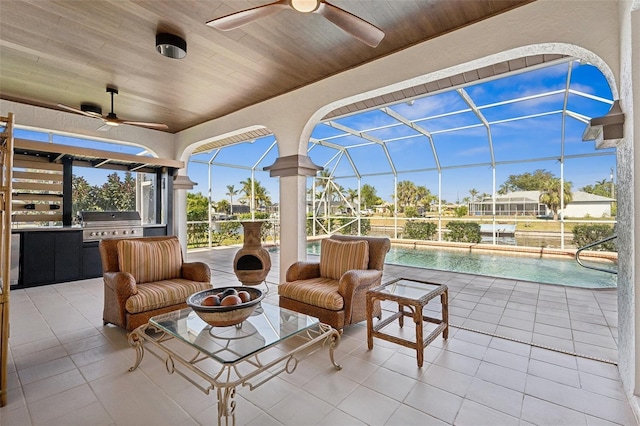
[[171, 46]]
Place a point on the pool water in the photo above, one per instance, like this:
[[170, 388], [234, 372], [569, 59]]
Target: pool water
[[542, 270]]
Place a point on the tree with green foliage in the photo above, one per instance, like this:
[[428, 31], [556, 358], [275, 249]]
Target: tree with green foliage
[[406, 194], [223, 206], [231, 192], [551, 195], [369, 196], [526, 181], [461, 211], [411, 211], [85, 196], [253, 188], [197, 207], [117, 194], [602, 188]]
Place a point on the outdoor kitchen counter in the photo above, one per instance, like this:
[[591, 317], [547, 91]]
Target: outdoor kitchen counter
[[49, 255]]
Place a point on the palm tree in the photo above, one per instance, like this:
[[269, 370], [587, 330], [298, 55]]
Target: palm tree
[[232, 191], [473, 192], [550, 195], [254, 193]]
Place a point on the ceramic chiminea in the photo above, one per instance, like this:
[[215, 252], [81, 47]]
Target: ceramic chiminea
[[252, 262]]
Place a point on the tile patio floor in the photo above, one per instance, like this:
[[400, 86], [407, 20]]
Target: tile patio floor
[[66, 368]]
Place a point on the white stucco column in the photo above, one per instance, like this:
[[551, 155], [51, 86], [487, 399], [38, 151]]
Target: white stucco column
[[293, 171], [181, 184]]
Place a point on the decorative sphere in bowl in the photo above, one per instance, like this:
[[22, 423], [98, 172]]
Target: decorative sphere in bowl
[[227, 312]]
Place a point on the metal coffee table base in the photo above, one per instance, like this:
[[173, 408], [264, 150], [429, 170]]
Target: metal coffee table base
[[250, 371]]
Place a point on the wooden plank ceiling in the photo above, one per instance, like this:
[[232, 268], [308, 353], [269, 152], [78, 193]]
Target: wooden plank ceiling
[[68, 51]]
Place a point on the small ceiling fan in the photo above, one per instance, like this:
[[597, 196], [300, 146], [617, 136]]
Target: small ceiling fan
[[111, 119], [346, 21]]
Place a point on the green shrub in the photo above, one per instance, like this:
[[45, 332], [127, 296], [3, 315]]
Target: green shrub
[[411, 211], [352, 228], [416, 230], [461, 211], [197, 234], [586, 234], [463, 232]]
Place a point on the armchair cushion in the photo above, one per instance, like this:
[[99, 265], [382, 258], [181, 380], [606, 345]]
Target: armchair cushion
[[338, 257], [150, 261], [321, 292], [161, 294]]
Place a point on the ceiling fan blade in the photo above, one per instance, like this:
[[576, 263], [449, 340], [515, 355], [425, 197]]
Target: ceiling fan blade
[[350, 23], [158, 126], [79, 111], [238, 19]]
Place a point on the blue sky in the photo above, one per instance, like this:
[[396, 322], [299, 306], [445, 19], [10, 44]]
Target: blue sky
[[464, 154]]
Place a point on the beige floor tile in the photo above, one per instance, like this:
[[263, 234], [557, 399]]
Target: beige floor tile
[[407, 416], [44, 370], [465, 348], [541, 412], [551, 342], [53, 385], [608, 408], [338, 417], [474, 414], [299, 409], [502, 376], [448, 380], [506, 359], [510, 346], [17, 417], [458, 362], [61, 404], [390, 383], [332, 388], [369, 406], [405, 364], [495, 396], [556, 393], [602, 386], [90, 415], [434, 401], [552, 357], [554, 373]]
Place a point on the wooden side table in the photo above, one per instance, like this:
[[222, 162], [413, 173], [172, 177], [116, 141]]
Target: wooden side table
[[411, 296]]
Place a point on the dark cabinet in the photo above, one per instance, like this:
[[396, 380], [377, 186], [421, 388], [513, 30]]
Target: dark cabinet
[[50, 257], [154, 231], [91, 261]]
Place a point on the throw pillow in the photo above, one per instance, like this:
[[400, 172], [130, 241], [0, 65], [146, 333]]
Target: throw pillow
[[150, 261], [338, 257]]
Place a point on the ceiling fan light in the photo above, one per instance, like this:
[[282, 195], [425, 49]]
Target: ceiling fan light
[[305, 6], [171, 46], [112, 123]]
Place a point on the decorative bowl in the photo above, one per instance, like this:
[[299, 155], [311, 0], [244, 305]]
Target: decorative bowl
[[222, 316]]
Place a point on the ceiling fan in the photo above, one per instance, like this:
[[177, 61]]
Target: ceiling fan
[[346, 21], [111, 119]]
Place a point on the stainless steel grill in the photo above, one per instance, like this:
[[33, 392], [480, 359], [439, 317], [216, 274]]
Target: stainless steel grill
[[99, 225]]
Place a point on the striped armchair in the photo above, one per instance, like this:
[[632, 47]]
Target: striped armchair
[[333, 290], [144, 277]]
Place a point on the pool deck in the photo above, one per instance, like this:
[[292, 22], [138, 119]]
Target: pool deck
[[571, 320]]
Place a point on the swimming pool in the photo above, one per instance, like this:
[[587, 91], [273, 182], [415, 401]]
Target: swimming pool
[[538, 269]]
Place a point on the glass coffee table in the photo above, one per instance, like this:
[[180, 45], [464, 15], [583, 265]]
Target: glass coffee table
[[271, 341], [412, 296]]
